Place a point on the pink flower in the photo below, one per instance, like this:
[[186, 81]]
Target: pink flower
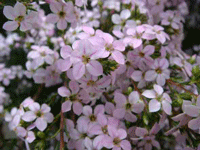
[[62, 13], [124, 107], [113, 47], [186, 67], [159, 98], [120, 19], [115, 140], [147, 138], [65, 63], [72, 98], [155, 32], [18, 17], [142, 55], [135, 36], [84, 57], [42, 114], [159, 71], [91, 83]]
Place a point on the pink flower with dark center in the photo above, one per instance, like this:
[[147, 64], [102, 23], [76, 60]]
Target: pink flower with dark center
[[158, 98], [112, 47], [147, 138], [62, 13], [125, 107], [159, 71], [84, 57], [116, 139], [72, 98], [142, 55], [18, 17], [41, 114]]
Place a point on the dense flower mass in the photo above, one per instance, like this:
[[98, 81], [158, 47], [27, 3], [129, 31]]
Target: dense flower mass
[[99, 74]]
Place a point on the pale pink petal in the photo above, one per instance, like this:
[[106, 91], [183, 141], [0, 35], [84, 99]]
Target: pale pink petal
[[119, 113], [149, 93], [136, 75], [20, 9], [133, 97], [99, 142], [138, 107], [52, 18], [158, 89], [41, 124], [66, 106], [125, 14], [141, 132], [149, 49], [119, 45], [74, 86], [64, 92], [116, 19], [45, 108], [154, 105], [194, 124], [48, 117], [161, 38], [125, 145], [167, 107], [120, 99], [191, 110], [25, 26], [78, 70], [130, 117], [8, 11], [150, 75], [64, 65], [10, 25], [94, 68], [65, 51], [62, 24], [160, 79], [87, 110], [102, 120], [118, 57], [29, 116], [121, 133], [77, 108], [56, 7]]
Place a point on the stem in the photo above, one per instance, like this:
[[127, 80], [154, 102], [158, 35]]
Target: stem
[[62, 144], [180, 86], [36, 96], [136, 88]]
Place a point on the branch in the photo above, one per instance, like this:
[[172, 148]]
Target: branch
[[62, 144], [39, 91], [180, 86]]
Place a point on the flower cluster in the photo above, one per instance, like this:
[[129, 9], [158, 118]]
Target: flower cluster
[[112, 71]]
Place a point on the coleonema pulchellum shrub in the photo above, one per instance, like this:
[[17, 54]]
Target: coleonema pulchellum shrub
[[98, 74]]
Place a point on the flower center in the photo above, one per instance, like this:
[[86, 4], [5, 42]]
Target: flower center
[[104, 129], [19, 18], [83, 135], [116, 141], [141, 54], [92, 118], [109, 48], [38, 114], [73, 97], [86, 59], [159, 71], [128, 106], [62, 14], [90, 83]]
